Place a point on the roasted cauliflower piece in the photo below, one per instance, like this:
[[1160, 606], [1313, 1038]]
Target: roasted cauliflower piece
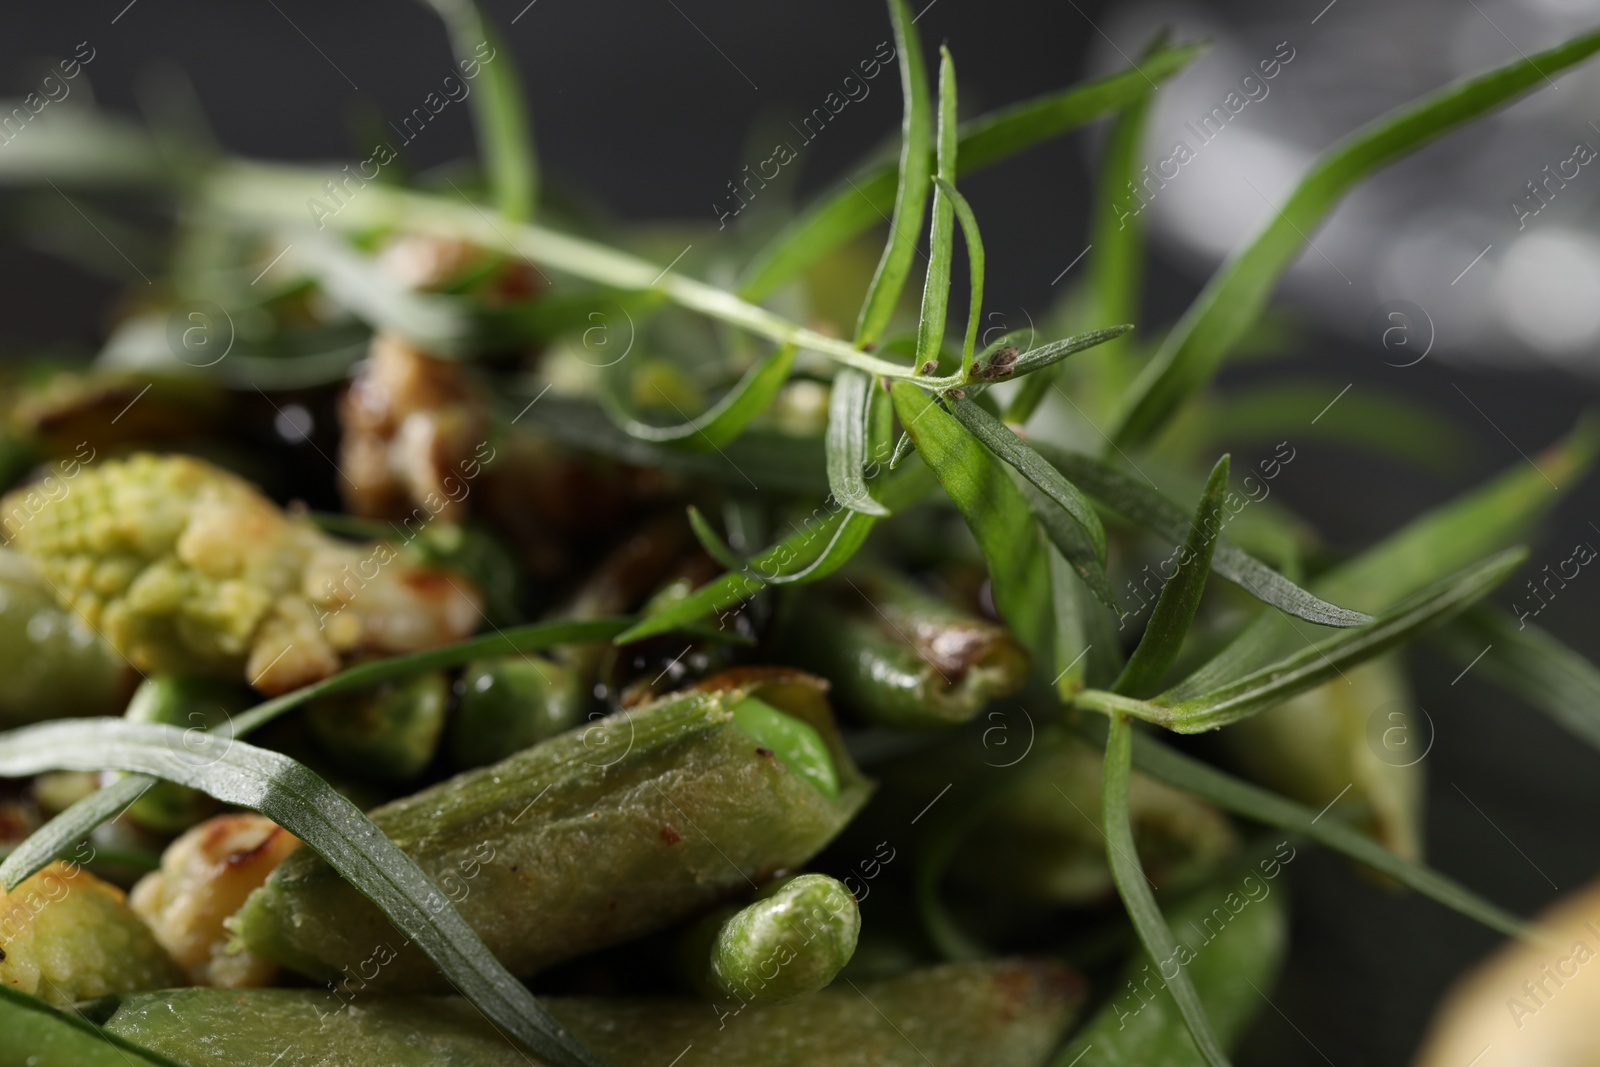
[[67, 936], [205, 876], [188, 569]]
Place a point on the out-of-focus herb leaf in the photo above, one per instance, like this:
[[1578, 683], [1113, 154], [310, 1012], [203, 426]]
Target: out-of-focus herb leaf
[[724, 420], [61, 833], [995, 510], [911, 194], [847, 441], [1180, 597], [1148, 507], [1234, 297], [295, 798], [1134, 889], [1317, 664], [498, 112], [769, 461], [1529, 663], [1242, 798], [1386, 424], [865, 198], [1117, 238]]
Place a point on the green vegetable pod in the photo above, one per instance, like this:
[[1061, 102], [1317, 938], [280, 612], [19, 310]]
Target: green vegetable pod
[[900, 657], [796, 936], [1042, 838], [37, 1035], [1004, 1013], [53, 662], [589, 839], [1360, 740], [510, 703], [196, 704], [389, 733], [1231, 939]]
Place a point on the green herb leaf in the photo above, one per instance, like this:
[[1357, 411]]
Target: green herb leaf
[[1530, 664], [1071, 541], [297, 799], [715, 546], [1424, 551], [998, 438], [813, 552], [40, 1036], [995, 510], [1317, 664], [1234, 297], [911, 194], [497, 111], [724, 420], [63, 832], [441, 324], [1180, 597], [1148, 507], [974, 239], [864, 199], [847, 441], [941, 235], [1134, 889], [988, 371], [1184, 772]]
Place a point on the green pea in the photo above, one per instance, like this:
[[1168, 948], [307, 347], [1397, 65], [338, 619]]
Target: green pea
[[511, 703], [196, 704], [389, 733], [790, 942], [797, 744]]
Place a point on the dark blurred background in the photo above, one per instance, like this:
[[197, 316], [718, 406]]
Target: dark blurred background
[[647, 108]]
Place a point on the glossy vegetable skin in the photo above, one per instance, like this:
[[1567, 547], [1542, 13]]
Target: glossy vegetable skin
[[587, 840]]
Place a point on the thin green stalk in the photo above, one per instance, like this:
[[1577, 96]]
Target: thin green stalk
[[269, 194]]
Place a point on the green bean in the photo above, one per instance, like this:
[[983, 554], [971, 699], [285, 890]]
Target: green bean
[[585, 840], [900, 657], [997, 1014]]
